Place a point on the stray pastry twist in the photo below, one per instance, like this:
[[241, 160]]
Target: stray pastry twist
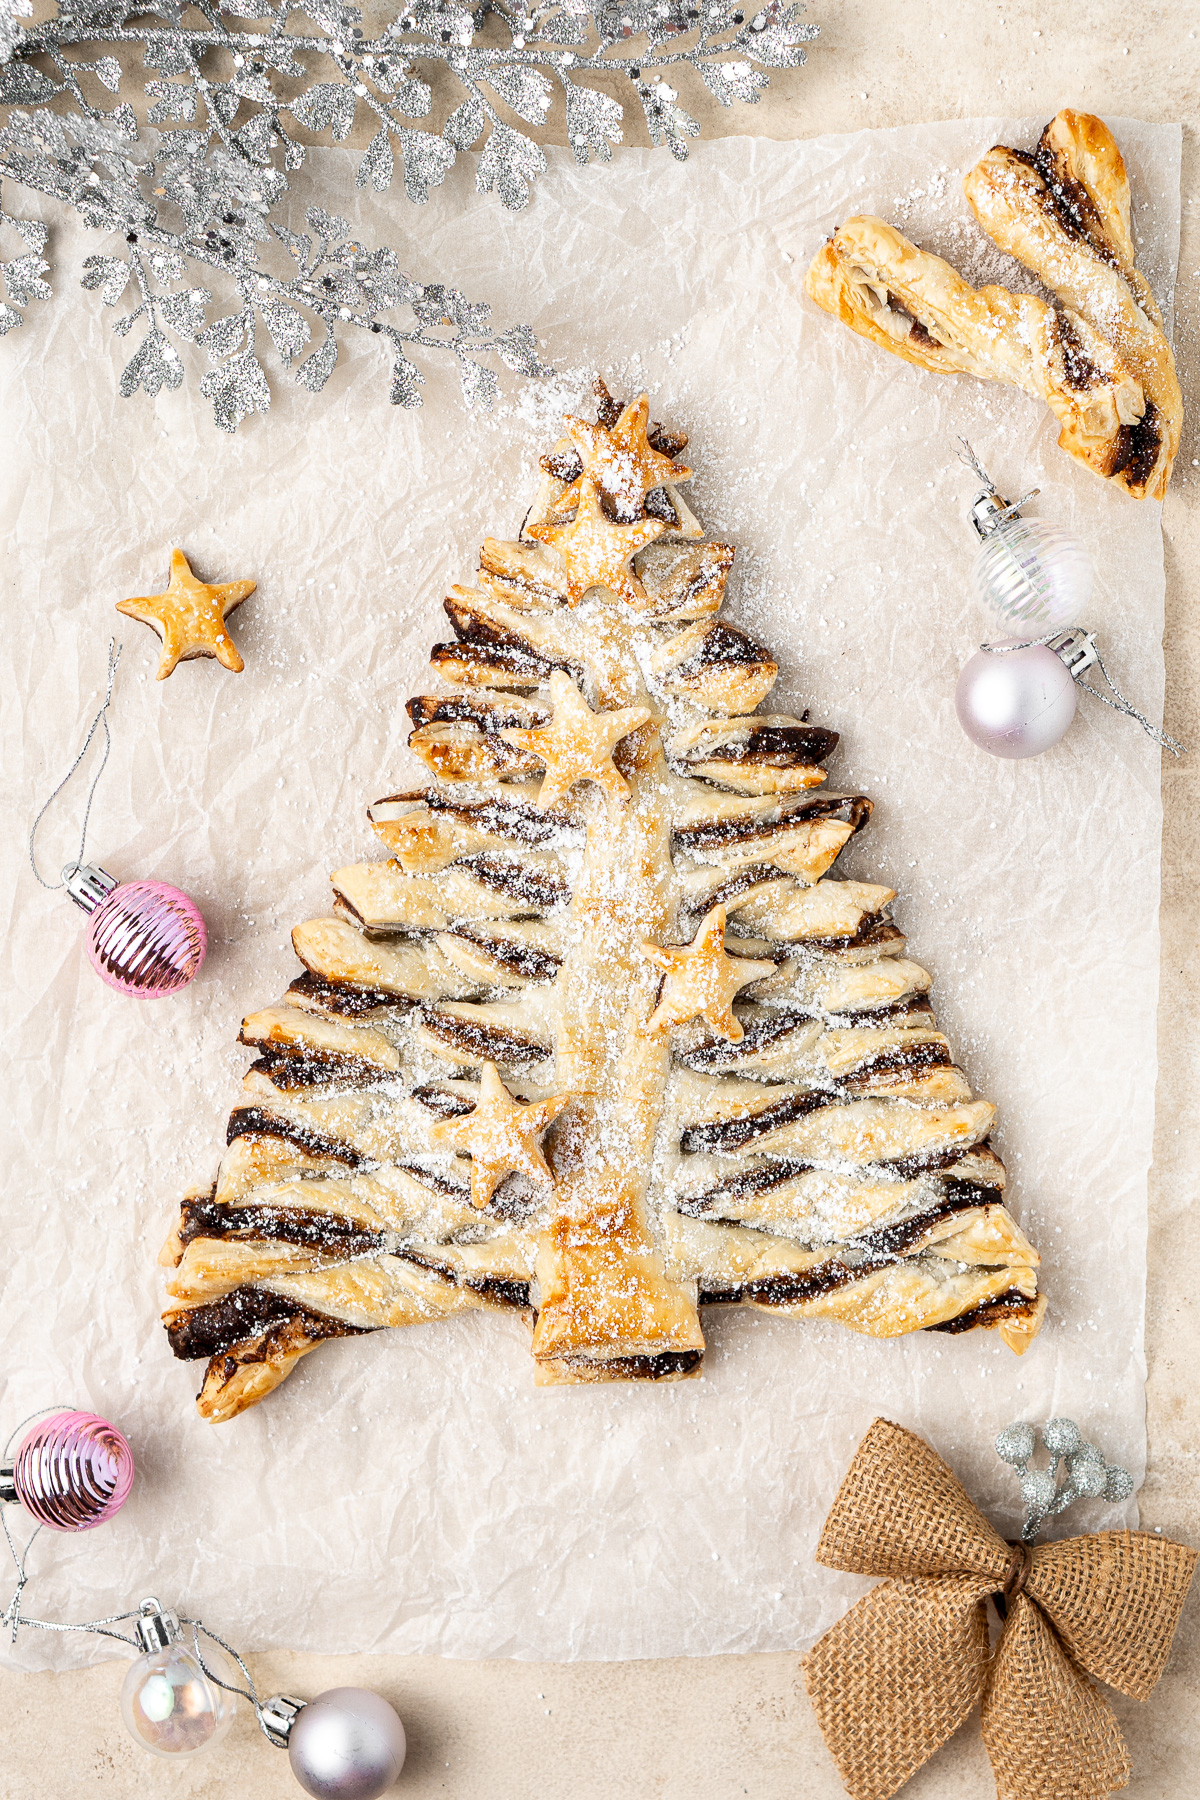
[[1098, 357]]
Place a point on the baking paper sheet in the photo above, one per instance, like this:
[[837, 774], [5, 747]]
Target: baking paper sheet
[[413, 1491]]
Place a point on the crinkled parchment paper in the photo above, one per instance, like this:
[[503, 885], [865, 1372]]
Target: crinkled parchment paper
[[413, 1491]]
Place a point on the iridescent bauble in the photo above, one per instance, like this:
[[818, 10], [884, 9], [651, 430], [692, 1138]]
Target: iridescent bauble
[[73, 1471], [1032, 575], [171, 1706], [1016, 703], [347, 1744], [146, 938]]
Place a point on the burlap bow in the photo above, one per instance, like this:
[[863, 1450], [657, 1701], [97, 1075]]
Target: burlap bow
[[894, 1678]]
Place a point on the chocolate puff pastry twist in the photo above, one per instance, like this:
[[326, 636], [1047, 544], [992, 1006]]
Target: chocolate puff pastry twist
[[1096, 352]]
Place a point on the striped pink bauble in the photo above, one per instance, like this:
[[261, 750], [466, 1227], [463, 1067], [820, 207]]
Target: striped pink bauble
[[146, 938], [73, 1471]]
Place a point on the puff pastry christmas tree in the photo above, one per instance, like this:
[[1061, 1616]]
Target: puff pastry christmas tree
[[602, 1040]]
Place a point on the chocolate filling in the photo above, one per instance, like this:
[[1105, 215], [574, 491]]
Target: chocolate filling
[[510, 819], [247, 1311], [473, 1039], [757, 1035], [897, 1239], [760, 1034], [990, 1312], [873, 1251], [444, 1102], [778, 746], [538, 889], [500, 1291], [709, 576], [658, 506], [525, 960], [710, 834], [1137, 448], [290, 1071], [525, 668], [724, 1135], [438, 1184], [346, 998], [255, 1122], [641, 1368], [898, 1056], [761, 1180], [474, 627], [1080, 371], [917, 332], [739, 1187], [917, 1006], [203, 1218], [562, 465], [1070, 201], [923, 1162], [875, 929], [725, 645], [756, 875], [789, 1290], [456, 709]]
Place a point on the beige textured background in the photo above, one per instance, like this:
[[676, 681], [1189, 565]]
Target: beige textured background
[[720, 1728]]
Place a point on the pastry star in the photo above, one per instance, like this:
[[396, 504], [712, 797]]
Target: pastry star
[[577, 744], [190, 617], [621, 460], [501, 1136], [702, 979], [597, 552]]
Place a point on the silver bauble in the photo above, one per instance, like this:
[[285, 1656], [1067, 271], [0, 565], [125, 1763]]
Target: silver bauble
[[1015, 703], [347, 1744]]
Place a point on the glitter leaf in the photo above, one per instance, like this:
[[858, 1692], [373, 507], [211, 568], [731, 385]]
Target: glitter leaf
[[212, 189]]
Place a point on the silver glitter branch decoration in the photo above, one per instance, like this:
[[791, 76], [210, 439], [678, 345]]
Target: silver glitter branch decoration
[[1085, 1473], [232, 80]]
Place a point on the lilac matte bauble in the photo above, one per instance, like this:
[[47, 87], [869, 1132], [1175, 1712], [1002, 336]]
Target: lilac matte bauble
[[1015, 703], [347, 1744], [146, 938], [73, 1471]]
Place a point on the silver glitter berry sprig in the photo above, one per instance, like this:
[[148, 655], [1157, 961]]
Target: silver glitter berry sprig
[[232, 81], [1085, 1473]]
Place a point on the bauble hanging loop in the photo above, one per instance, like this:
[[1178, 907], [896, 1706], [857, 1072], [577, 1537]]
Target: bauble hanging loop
[[146, 938]]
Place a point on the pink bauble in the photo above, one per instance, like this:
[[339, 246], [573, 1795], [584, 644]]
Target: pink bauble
[[146, 938], [1015, 703], [73, 1471]]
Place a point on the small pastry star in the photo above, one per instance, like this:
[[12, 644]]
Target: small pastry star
[[190, 617], [501, 1136], [703, 979], [577, 744], [597, 552], [621, 460]]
